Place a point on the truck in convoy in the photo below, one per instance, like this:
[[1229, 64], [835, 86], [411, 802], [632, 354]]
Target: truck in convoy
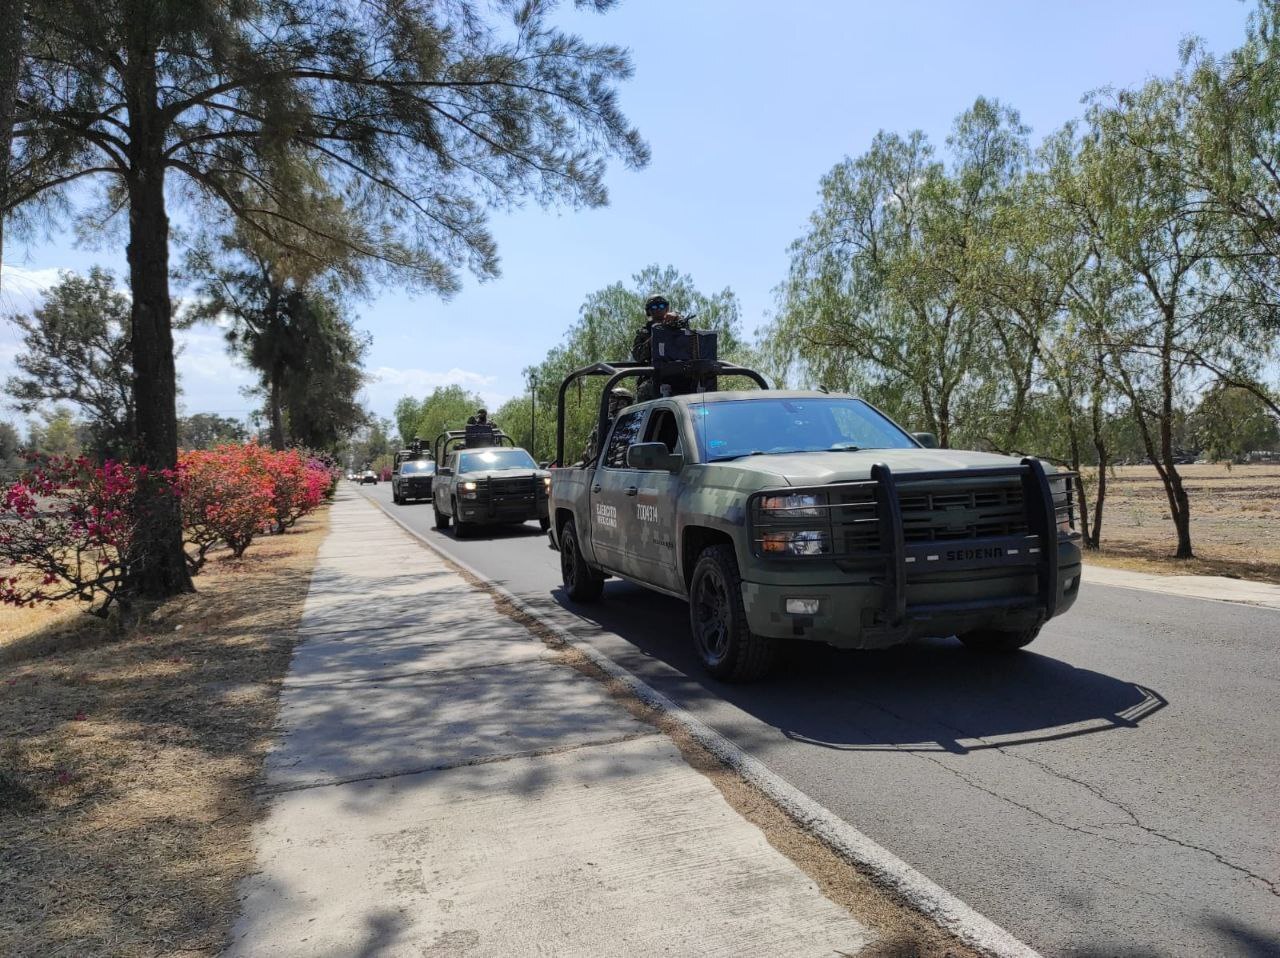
[[413, 472], [804, 516], [482, 479]]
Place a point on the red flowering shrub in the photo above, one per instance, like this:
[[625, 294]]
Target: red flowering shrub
[[64, 527], [299, 487], [228, 495]]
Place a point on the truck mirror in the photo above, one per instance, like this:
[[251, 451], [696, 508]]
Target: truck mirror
[[653, 456], [926, 439]]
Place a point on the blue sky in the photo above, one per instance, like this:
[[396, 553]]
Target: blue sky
[[745, 105]]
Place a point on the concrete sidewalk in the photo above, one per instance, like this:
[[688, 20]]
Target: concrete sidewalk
[[1217, 587], [443, 786]]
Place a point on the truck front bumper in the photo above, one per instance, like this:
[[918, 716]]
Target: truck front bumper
[[491, 513], [851, 614]]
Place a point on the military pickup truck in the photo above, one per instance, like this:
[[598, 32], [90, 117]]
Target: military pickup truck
[[806, 516], [482, 479]]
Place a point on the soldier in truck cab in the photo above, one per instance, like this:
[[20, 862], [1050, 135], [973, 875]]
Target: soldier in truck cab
[[619, 399]]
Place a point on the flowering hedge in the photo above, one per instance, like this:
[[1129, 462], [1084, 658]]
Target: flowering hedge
[[65, 525]]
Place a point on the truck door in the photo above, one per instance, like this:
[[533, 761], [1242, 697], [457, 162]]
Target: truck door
[[613, 495], [651, 531]]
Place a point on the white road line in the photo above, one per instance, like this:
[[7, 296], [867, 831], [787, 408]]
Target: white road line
[[920, 892]]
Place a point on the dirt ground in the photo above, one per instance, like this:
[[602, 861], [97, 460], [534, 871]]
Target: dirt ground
[[128, 762], [1235, 515]]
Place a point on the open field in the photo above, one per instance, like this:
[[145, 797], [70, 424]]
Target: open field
[[128, 761], [1235, 518]]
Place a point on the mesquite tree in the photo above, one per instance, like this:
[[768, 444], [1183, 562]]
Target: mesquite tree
[[418, 114]]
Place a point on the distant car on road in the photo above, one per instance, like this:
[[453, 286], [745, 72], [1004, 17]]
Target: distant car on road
[[413, 480], [368, 476]]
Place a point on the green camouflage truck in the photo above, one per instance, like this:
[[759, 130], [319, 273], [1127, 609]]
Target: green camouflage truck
[[807, 516], [484, 480]]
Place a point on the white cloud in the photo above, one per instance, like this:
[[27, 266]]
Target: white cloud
[[22, 289]]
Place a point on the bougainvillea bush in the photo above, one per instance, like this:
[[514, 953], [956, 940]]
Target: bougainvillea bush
[[66, 524], [299, 487], [228, 496], [64, 527]]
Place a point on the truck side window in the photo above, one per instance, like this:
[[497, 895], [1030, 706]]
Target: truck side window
[[662, 428], [624, 434]]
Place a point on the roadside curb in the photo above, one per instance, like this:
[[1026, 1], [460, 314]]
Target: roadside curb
[[1213, 588], [912, 887]]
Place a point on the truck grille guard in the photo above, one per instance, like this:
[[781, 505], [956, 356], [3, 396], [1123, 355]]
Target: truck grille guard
[[989, 518]]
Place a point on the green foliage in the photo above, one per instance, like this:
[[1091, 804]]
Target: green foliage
[[76, 349], [11, 447], [1229, 423], [58, 433], [205, 430], [448, 407]]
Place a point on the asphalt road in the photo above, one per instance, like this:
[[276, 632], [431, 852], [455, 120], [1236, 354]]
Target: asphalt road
[[1113, 790]]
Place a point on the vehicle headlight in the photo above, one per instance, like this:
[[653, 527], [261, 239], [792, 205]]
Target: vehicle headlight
[[793, 506], [468, 487], [803, 542], [546, 483]]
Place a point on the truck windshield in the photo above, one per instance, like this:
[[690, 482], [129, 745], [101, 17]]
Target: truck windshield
[[495, 459], [752, 427], [420, 466]]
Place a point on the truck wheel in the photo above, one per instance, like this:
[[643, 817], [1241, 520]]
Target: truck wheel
[[442, 521], [395, 497], [994, 640], [460, 529], [582, 582], [544, 524], [727, 648]]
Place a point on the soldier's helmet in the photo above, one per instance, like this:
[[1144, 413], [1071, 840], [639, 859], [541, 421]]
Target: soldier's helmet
[[655, 303]]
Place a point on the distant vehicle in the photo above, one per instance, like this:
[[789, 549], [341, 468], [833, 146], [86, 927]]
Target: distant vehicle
[[368, 476], [790, 516], [413, 480]]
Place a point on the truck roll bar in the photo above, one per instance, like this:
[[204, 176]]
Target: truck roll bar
[[617, 372]]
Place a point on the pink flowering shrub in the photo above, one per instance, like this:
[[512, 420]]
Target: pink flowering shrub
[[65, 527], [228, 495]]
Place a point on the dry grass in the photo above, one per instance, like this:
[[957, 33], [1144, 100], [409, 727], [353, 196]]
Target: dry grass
[[1235, 514], [128, 765]]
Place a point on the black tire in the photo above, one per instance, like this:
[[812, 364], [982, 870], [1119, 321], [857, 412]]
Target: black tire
[[725, 645], [544, 524], [442, 521], [460, 529], [395, 497], [994, 640], [582, 581]]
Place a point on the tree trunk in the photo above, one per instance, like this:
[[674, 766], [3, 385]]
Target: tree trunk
[[1094, 539], [275, 403], [12, 21], [157, 566]]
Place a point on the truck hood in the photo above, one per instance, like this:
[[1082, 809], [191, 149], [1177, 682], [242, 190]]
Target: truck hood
[[518, 473], [820, 468]]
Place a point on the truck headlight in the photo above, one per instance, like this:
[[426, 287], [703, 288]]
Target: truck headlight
[[796, 506], [803, 542], [468, 490], [546, 483]]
